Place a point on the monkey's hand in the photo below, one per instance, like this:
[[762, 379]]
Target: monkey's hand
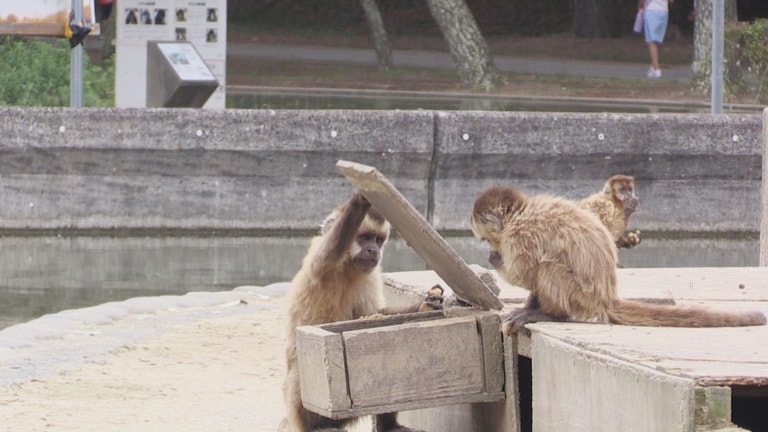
[[629, 240], [515, 321], [434, 299], [630, 206], [358, 200]]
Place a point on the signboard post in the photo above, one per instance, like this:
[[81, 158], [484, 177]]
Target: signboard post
[[76, 63]]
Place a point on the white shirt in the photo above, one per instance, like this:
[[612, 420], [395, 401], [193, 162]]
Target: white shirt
[[659, 5]]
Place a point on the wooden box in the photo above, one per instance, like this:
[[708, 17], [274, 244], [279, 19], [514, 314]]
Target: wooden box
[[399, 363]]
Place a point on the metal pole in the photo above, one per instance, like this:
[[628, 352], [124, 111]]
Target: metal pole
[[718, 26], [76, 63], [764, 195]]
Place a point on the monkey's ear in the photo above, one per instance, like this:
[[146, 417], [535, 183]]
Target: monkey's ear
[[493, 222]]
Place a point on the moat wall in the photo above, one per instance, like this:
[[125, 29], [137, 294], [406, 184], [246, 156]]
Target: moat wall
[[273, 170]]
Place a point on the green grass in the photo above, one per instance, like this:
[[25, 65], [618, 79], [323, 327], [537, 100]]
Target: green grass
[[36, 72]]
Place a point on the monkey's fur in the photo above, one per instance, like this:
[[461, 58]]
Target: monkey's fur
[[567, 259], [614, 205], [340, 279]]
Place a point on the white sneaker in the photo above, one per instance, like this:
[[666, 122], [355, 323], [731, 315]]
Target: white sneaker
[[653, 73]]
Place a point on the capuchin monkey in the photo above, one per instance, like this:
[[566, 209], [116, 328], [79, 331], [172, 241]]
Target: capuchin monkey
[[614, 205], [566, 258], [340, 279]]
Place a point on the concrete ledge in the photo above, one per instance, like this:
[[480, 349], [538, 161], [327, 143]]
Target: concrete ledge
[[133, 169], [193, 169]]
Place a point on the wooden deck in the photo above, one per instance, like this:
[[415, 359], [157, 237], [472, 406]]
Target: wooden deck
[[712, 356], [656, 378]]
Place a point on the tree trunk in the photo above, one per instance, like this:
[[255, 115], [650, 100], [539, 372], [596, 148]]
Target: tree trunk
[[701, 68], [108, 27], [378, 34], [467, 45], [596, 18]]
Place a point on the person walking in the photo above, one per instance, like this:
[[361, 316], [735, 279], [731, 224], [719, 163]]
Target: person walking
[[655, 20]]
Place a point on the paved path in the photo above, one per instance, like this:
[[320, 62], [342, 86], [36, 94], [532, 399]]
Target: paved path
[[442, 60]]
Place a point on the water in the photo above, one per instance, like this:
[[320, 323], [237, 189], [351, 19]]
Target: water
[[264, 98], [42, 275]]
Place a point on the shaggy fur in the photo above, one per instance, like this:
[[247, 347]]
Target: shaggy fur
[[340, 279], [567, 259], [614, 205]]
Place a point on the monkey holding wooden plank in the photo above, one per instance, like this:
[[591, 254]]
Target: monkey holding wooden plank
[[340, 279], [566, 257]]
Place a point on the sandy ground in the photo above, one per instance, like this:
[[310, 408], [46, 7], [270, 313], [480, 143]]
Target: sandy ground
[[157, 364]]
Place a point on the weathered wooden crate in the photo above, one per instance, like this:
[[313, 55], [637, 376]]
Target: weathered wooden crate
[[399, 363]]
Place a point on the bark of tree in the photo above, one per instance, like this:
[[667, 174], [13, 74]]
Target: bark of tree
[[701, 68], [467, 45], [108, 34], [378, 34], [596, 18]]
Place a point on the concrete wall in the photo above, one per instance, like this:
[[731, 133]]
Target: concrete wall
[[274, 169]]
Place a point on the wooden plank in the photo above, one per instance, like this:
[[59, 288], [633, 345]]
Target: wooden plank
[[709, 356], [512, 384], [426, 360], [322, 370], [493, 351], [382, 321], [417, 404], [420, 235], [33, 29], [41, 29]]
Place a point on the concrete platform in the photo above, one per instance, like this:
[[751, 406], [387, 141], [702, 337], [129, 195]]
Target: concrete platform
[[594, 377]]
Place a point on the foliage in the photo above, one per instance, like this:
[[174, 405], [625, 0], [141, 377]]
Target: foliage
[[750, 40], [35, 72]]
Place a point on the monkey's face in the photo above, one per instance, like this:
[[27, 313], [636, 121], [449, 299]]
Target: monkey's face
[[367, 250], [494, 259], [623, 188]]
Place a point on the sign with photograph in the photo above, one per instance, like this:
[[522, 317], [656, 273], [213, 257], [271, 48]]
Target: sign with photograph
[[200, 22]]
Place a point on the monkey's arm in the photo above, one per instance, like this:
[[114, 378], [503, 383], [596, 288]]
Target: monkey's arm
[[515, 321], [339, 239]]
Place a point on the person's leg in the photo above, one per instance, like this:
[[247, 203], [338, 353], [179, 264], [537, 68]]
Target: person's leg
[[653, 50]]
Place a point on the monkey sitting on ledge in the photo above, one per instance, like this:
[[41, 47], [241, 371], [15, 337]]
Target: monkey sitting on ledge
[[614, 205], [340, 279], [567, 259]]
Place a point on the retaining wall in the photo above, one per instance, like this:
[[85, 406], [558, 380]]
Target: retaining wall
[[107, 168]]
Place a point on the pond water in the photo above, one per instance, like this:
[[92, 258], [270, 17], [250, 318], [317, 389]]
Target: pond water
[[275, 98], [42, 275]]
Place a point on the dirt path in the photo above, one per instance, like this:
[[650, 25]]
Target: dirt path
[[211, 368]]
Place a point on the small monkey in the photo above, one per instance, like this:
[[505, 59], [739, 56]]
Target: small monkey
[[614, 205], [566, 258], [340, 279]]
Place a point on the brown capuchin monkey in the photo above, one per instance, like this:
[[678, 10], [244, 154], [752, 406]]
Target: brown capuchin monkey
[[340, 279], [614, 205], [566, 258]]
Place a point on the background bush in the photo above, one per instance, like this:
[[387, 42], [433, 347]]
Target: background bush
[[750, 41], [35, 72]]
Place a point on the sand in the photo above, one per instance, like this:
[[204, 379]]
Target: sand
[[209, 362]]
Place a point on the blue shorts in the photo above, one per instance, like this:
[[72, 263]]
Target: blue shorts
[[655, 25]]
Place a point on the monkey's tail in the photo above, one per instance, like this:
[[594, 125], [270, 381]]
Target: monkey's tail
[[629, 312]]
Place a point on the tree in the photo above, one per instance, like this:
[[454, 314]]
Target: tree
[[378, 34], [701, 68], [466, 44], [596, 18]]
